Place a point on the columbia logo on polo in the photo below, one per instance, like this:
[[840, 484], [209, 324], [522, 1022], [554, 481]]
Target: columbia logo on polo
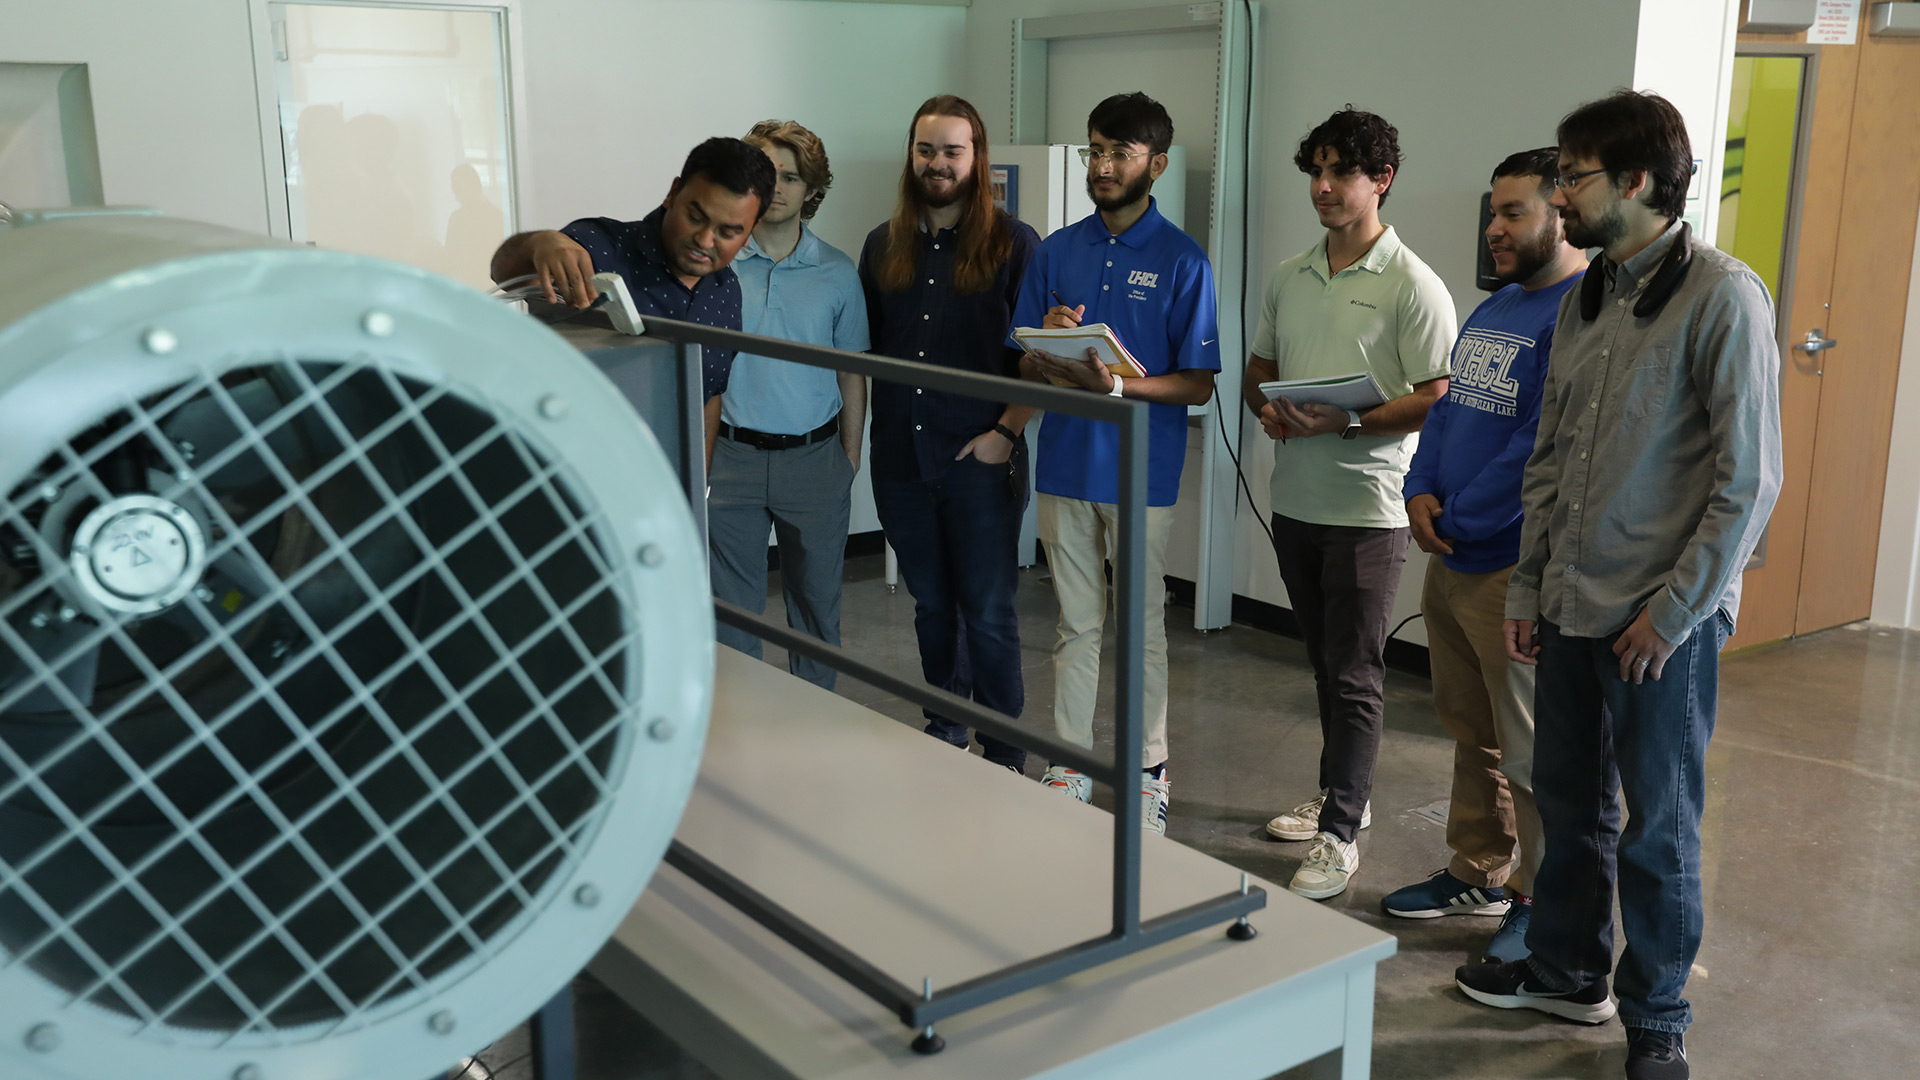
[[1141, 277]]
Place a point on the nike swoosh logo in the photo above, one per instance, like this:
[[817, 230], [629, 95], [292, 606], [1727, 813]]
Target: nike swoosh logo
[[1523, 991], [1208, 342]]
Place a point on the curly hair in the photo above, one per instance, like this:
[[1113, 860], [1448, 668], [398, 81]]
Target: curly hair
[[809, 157], [1364, 142]]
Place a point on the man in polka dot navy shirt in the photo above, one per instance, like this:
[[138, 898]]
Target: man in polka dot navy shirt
[[676, 261]]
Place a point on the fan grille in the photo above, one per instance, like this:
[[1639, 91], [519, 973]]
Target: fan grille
[[363, 750]]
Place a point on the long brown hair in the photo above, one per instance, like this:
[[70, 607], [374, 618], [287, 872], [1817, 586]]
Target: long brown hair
[[986, 236]]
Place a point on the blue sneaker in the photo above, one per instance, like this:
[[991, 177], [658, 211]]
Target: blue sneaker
[[1510, 941], [1444, 894]]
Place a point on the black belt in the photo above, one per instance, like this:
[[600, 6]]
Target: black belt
[[766, 440]]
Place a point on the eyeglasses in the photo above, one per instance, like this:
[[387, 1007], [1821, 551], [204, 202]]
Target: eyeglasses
[[1569, 181], [1088, 156]]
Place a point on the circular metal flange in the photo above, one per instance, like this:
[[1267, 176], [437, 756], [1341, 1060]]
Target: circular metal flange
[[138, 554]]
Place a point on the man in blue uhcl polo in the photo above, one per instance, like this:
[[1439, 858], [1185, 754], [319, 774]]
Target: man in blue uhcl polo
[[1128, 267]]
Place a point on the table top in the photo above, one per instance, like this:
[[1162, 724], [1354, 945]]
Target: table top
[[930, 863]]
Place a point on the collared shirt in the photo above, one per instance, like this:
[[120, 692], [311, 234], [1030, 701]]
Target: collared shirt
[[916, 431], [632, 250], [1477, 437], [1658, 460], [1153, 286], [811, 296], [1388, 314]]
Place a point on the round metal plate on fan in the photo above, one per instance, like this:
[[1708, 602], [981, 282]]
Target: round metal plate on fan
[[331, 669]]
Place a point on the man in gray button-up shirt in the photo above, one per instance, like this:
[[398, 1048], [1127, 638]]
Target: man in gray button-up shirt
[[1656, 467]]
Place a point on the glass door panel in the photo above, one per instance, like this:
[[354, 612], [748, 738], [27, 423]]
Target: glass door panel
[[1756, 190], [394, 124]]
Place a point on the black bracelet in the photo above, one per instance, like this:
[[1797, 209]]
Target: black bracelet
[[1008, 432]]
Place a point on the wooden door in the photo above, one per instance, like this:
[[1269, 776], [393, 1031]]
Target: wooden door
[[1873, 259], [1859, 196]]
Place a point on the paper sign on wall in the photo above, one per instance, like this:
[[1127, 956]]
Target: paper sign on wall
[[1835, 22]]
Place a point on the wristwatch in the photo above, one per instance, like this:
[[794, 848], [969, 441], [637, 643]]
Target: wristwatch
[[1353, 425], [1115, 392]]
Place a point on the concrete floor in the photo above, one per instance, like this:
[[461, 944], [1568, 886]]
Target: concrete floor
[[1811, 964]]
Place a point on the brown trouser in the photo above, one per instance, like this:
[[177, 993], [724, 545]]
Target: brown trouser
[[1485, 701]]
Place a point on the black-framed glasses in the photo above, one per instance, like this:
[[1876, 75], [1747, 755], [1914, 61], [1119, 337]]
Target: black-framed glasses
[[1569, 181], [1088, 155]]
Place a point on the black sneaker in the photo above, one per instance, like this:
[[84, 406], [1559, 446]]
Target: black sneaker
[[1511, 986], [1655, 1055]]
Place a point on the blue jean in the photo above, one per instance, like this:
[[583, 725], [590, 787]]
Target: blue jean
[[1597, 740], [957, 539]]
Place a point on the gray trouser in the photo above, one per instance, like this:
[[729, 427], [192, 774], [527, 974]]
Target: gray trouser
[[805, 495]]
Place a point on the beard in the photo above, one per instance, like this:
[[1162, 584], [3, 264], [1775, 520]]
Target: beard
[[936, 200], [1130, 194], [1532, 254], [1584, 232]]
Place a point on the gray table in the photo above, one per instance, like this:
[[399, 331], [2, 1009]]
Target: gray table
[[933, 864]]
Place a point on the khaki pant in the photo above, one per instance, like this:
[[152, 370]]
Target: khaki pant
[[1485, 701], [1081, 537]]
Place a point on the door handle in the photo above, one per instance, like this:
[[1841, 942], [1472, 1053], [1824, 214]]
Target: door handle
[[1815, 343]]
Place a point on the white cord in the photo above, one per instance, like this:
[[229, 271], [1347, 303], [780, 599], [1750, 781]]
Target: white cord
[[508, 284]]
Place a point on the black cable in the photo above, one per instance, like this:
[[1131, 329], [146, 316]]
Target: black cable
[[472, 1060], [1403, 624], [1246, 268], [528, 1056], [577, 312]]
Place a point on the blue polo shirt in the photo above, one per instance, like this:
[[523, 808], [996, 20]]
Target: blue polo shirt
[[812, 296], [632, 250], [1153, 285]]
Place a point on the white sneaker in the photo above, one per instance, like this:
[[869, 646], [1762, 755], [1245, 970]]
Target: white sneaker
[[1153, 803], [1328, 866], [1303, 821], [1077, 784]]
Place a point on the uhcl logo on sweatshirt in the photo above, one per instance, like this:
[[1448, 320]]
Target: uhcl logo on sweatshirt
[[1483, 371]]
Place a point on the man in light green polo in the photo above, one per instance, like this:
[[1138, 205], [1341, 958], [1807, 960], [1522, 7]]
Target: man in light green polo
[[1357, 301]]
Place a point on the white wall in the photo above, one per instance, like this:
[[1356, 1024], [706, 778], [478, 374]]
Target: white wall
[[618, 92], [1684, 52], [1465, 84], [1896, 579], [173, 98]]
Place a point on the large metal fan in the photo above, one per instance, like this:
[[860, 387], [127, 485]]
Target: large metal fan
[[355, 657]]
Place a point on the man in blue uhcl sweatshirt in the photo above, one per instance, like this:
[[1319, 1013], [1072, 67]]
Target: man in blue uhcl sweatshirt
[[1463, 506]]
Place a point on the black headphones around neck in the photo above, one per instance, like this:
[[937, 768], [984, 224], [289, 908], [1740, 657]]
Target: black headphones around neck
[[1667, 279]]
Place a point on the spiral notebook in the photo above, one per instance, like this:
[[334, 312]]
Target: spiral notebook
[[1076, 340]]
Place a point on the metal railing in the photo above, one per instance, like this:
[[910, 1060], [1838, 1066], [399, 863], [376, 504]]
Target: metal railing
[[922, 1007]]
